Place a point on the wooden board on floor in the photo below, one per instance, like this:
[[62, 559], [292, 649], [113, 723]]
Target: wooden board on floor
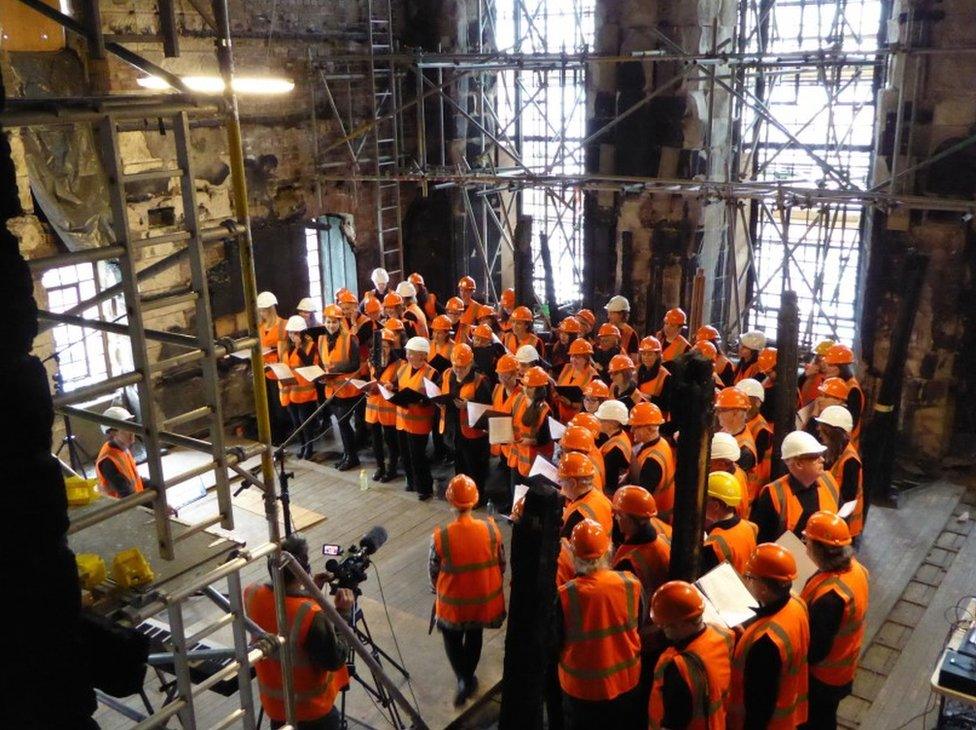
[[301, 519]]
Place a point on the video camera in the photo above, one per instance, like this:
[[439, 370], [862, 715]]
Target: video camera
[[351, 570]]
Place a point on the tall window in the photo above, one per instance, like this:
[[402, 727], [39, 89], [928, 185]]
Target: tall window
[[313, 260], [822, 138], [544, 111]]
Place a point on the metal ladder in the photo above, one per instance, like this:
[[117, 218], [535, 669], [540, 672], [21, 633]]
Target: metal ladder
[[385, 134]]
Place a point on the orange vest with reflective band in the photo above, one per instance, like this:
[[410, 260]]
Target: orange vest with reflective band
[[734, 544], [593, 505], [512, 342], [430, 306], [570, 376], [466, 393], [653, 388], [856, 520], [365, 343], [379, 409], [600, 656], [315, 689], [750, 371], [124, 462], [522, 455], [810, 388], [663, 491], [419, 320], [856, 432], [743, 509], [628, 338], [302, 390], [748, 443], [333, 358], [789, 630], [618, 441], [416, 419], [270, 337], [851, 586], [650, 561], [501, 401], [678, 346], [600, 478], [469, 584], [788, 507], [705, 666], [755, 426]]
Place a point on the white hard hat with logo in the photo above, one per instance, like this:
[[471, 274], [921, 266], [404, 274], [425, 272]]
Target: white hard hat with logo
[[418, 344], [837, 416]]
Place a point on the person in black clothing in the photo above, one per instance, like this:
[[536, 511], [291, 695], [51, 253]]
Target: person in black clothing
[[607, 345]]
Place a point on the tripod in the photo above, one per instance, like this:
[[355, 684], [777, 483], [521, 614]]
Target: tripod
[[378, 693], [69, 440]]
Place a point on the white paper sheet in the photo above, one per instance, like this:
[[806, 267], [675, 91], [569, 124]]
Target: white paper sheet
[[847, 509], [546, 468], [361, 384], [804, 414], [494, 338], [711, 615], [476, 411], [500, 430], [311, 372], [430, 388], [728, 594], [269, 351], [281, 371], [241, 354], [556, 429], [805, 567], [387, 394]]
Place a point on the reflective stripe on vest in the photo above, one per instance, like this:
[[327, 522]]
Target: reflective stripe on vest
[[415, 419], [663, 492], [705, 666], [334, 358], [650, 561], [851, 586], [469, 584], [302, 390], [523, 455], [856, 520], [787, 506], [270, 337], [124, 462]]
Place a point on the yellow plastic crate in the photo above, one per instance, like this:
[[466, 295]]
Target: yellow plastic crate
[[81, 491], [130, 569], [91, 570]]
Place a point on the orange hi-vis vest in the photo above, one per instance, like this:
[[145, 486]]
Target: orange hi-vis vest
[[571, 376], [501, 401], [124, 462], [593, 505], [379, 409], [663, 491], [743, 509], [856, 432], [365, 343], [788, 507], [469, 584], [522, 455], [671, 350], [653, 388], [512, 342], [430, 306], [856, 520], [302, 390], [600, 478], [748, 443], [789, 630], [851, 586], [619, 440], [810, 389], [734, 544], [270, 339], [755, 426], [417, 419], [650, 561], [419, 320], [600, 656], [465, 393], [443, 349], [314, 689], [332, 358], [705, 666], [628, 338], [749, 371]]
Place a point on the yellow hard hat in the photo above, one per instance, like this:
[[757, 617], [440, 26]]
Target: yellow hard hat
[[823, 346], [725, 488]]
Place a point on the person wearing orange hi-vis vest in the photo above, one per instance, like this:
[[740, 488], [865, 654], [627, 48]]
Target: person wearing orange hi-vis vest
[[642, 548], [339, 353], [725, 453], [728, 537], [673, 343], [579, 371], [466, 564], [653, 464], [615, 444], [300, 397], [415, 421], [750, 345], [380, 413], [618, 312], [835, 426], [731, 411], [839, 363], [464, 384], [652, 376]]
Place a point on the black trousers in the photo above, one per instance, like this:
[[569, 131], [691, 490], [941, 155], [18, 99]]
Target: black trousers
[[471, 457], [342, 409], [277, 413], [822, 704], [386, 446], [463, 649], [499, 484], [331, 721], [363, 430], [623, 712], [299, 412], [413, 452]]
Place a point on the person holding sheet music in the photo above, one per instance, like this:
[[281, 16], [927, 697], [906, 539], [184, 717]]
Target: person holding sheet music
[[274, 341], [530, 422], [502, 399], [411, 311], [339, 354], [415, 420], [835, 425], [487, 350], [572, 378], [462, 383], [380, 413], [361, 326], [670, 337], [298, 396], [439, 358]]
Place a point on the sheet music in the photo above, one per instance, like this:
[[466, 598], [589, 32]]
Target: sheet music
[[387, 394], [728, 594], [430, 388], [476, 411], [281, 371], [500, 430], [241, 354], [556, 429], [361, 384], [311, 372], [711, 614], [805, 567], [804, 414], [847, 509], [520, 491], [546, 468], [494, 338]]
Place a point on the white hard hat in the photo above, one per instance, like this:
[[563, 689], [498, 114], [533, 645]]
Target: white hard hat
[[724, 446], [799, 443], [752, 388], [526, 354], [837, 416], [418, 344], [754, 340], [267, 299], [613, 410], [618, 303], [296, 323], [117, 412], [379, 276], [306, 305], [406, 289]]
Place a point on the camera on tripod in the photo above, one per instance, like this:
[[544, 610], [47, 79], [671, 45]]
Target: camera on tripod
[[351, 570]]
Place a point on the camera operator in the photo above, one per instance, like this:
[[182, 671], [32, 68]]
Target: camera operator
[[318, 655]]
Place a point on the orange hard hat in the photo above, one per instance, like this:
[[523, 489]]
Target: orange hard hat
[[608, 330], [767, 359], [839, 355], [344, 296], [333, 311], [707, 332], [485, 311], [835, 388], [394, 325], [441, 322], [416, 279], [506, 364], [372, 306], [634, 501], [389, 336], [589, 540], [706, 349], [675, 317], [649, 344], [577, 438], [521, 314], [508, 298], [676, 601], [828, 528], [732, 398], [467, 283], [462, 355], [772, 561], [462, 492], [596, 389], [619, 363], [580, 347], [535, 377], [574, 464], [570, 325], [483, 331], [646, 414], [392, 299], [585, 315], [588, 421], [339, 292], [454, 304]]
